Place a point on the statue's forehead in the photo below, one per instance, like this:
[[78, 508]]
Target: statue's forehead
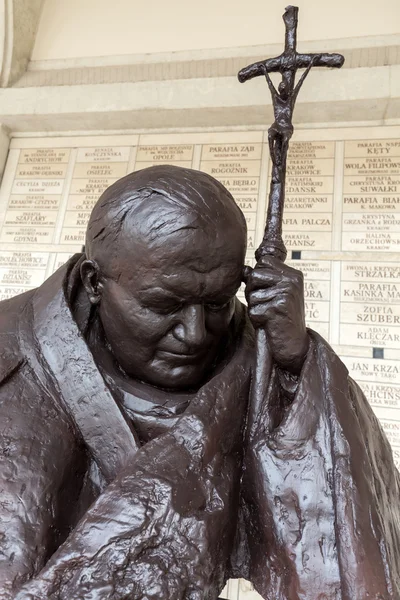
[[185, 259], [176, 248], [162, 236], [190, 280]]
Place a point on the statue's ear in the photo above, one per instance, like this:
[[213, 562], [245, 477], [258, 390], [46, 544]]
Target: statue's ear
[[90, 272]]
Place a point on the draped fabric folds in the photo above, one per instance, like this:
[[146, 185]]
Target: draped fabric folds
[[309, 511]]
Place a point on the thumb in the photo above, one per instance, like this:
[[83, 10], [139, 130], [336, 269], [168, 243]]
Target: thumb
[[246, 272]]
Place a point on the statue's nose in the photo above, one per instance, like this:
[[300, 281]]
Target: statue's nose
[[191, 329]]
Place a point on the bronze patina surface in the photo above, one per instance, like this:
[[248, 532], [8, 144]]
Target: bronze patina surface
[[159, 437]]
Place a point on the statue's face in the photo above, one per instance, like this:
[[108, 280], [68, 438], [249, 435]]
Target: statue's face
[[168, 299]]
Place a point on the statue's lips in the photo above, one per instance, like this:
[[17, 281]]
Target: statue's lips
[[182, 357]]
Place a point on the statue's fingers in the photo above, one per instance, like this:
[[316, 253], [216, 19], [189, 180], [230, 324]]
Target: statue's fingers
[[259, 315], [269, 271], [275, 264], [262, 278], [260, 297], [262, 313], [268, 260], [263, 296]]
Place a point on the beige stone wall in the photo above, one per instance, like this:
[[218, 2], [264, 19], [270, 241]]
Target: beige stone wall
[[80, 28]]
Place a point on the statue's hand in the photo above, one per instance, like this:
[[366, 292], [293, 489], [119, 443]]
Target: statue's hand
[[275, 297]]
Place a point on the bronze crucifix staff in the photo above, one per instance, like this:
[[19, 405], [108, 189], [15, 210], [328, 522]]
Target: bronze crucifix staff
[[279, 134]]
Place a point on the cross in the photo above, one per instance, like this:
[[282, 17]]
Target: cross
[[280, 132]]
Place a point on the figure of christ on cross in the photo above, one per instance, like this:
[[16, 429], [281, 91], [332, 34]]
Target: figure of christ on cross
[[284, 99], [281, 131]]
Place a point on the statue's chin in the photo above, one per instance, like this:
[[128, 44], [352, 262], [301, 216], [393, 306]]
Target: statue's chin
[[178, 378]]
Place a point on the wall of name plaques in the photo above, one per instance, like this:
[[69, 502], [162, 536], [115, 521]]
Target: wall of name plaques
[[341, 225]]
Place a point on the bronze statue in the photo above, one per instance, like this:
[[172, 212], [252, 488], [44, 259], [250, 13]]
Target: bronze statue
[[159, 437]]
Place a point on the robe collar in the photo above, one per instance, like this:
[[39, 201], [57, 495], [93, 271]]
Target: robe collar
[[61, 351]]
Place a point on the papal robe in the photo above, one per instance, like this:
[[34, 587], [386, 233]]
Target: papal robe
[[307, 510]]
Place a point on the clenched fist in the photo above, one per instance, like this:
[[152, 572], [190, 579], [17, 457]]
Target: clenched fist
[[275, 296]]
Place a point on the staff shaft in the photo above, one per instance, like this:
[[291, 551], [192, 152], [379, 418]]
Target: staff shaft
[[272, 245]]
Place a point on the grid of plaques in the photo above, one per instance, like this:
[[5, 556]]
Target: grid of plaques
[[35, 199], [370, 288], [341, 225], [21, 271], [237, 167], [307, 223], [370, 304]]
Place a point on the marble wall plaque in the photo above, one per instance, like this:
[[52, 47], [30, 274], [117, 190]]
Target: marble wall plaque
[[28, 227], [371, 196], [231, 169], [180, 155], [43, 171], [373, 370], [113, 170], [60, 259], [91, 185], [34, 202], [79, 202], [38, 186], [44, 156], [7, 291], [372, 148], [306, 240], [382, 394], [104, 154], [309, 149], [229, 151]]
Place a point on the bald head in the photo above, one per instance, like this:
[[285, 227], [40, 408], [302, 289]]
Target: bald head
[[158, 202], [165, 251]]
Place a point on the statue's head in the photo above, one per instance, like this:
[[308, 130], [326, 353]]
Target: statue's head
[[165, 250], [283, 90]]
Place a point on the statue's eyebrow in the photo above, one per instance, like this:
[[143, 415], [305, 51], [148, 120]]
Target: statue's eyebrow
[[156, 294], [160, 295]]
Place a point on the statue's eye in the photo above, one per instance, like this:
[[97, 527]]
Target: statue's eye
[[215, 307], [167, 309], [163, 307]]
